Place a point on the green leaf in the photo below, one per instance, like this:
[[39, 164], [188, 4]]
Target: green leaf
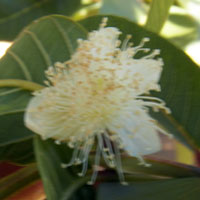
[[181, 28], [133, 10], [158, 14], [159, 168], [27, 59], [179, 82], [185, 188], [20, 152], [12, 129], [59, 183], [14, 15], [18, 180]]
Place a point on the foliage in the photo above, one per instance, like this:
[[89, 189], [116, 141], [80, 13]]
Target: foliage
[[14, 15], [54, 38]]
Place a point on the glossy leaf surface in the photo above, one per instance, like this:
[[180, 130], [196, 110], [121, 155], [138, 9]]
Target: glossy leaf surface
[[28, 58]]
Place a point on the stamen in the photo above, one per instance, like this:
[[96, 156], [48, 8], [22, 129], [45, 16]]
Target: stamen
[[156, 106], [142, 43], [47, 83], [96, 164], [84, 159], [111, 154], [117, 44], [151, 98], [58, 142], [119, 164], [79, 40], [142, 161], [74, 157], [161, 130], [109, 162], [152, 55], [87, 145], [108, 143], [161, 105], [71, 144], [103, 23], [125, 42]]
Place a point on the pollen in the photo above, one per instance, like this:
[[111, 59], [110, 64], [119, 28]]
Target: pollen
[[100, 94]]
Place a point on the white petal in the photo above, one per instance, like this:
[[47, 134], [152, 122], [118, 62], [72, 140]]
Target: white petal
[[31, 117], [143, 74], [41, 121], [137, 133], [150, 71], [143, 143]]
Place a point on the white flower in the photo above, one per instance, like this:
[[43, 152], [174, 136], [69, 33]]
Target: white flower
[[99, 95]]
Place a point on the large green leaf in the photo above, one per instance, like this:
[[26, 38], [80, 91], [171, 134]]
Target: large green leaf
[[174, 189], [59, 183], [65, 184], [181, 28], [20, 152], [14, 15], [159, 168], [180, 81], [12, 129], [133, 10], [33, 51], [158, 14]]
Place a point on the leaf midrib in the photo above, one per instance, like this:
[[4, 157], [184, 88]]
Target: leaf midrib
[[13, 112]]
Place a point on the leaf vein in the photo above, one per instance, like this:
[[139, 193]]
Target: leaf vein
[[10, 91], [181, 129], [41, 48], [12, 112], [62, 32], [21, 64]]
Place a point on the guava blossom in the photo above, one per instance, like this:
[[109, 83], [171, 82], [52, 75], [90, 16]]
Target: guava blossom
[[100, 95]]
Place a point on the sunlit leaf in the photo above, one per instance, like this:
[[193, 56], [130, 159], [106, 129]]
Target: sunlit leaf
[[133, 10], [158, 14], [181, 28]]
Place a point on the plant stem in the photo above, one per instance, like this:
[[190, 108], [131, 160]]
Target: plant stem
[[26, 85], [158, 14]]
